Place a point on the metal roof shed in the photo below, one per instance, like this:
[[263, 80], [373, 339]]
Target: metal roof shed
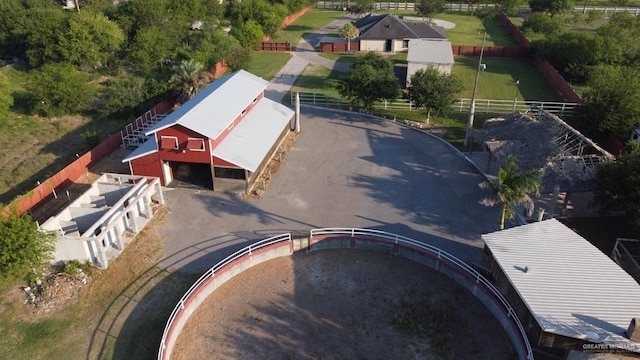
[[566, 291]]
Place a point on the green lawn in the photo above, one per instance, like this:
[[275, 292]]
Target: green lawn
[[317, 78], [466, 30], [310, 21], [344, 57], [266, 64], [498, 80]]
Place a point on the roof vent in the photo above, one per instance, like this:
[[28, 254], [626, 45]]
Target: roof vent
[[633, 332]]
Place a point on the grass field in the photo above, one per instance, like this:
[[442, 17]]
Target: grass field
[[498, 81], [266, 64], [466, 30], [36, 147], [311, 20]]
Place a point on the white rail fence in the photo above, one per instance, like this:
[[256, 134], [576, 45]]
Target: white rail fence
[[486, 106], [458, 264], [392, 5], [452, 262], [211, 273]]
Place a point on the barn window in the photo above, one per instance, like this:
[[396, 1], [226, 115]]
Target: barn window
[[169, 142], [195, 144]]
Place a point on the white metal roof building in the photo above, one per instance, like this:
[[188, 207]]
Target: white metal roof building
[[570, 293], [219, 139], [425, 53]]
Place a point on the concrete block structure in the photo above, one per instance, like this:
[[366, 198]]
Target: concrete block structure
[[103, 220]]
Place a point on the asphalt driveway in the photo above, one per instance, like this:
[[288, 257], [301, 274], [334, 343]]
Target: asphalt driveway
[[344, 170]]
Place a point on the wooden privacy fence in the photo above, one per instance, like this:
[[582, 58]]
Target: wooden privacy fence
[[339, 47], [491, 51], [275, 46], [550, 73]]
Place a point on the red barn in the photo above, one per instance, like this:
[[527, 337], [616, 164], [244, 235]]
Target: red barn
[[221, 139]]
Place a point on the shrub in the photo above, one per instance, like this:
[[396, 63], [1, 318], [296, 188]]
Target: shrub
[[540, 23]]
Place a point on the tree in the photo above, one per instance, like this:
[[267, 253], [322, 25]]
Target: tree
[[553, 7], [428, 8], [189, 79], [572, 53], [43, 37], [6, 98], [125, 97], [612, 102], [508, 5], [211, 46], [91, 39], [433, 90], [369, 79], [23, 246], [511, 188], [484, 13], [362, 7], [58, 89], [249, 34], [619, 187], [349, 31], [149, 49], [541, 23]]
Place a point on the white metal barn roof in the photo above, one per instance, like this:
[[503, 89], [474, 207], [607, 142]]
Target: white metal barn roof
[[571, 287], [424, 51], [248, 144], [212, 109]]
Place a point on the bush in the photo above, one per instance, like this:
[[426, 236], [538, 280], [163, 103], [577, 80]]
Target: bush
[[540, 23], [91, 139], [59, 89], [73, 267]]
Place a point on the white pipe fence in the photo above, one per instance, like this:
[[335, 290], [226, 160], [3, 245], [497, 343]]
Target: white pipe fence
[[439, 254], [487, 106], [451, 261], [464, 7], [211, 273]]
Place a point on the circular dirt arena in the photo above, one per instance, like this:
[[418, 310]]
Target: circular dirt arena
[[342, 304]]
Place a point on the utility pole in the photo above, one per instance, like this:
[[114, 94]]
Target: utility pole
[[472, 108]]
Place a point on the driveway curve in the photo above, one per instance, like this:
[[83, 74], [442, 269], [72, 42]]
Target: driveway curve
[[344, 170]]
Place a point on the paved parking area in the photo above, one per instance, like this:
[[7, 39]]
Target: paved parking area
[[345, 170]]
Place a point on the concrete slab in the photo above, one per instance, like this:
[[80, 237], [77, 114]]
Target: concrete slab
[[345, 170]]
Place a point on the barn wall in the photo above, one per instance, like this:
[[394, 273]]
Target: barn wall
[[149, 165], [181, 154], [371, 45]]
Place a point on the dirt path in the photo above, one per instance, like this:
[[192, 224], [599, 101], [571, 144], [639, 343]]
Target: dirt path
[[342, 304]]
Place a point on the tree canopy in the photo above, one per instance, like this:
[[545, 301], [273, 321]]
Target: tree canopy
[[23, 246], [553, 7], [370, 79], [433, 90], [188, 79], [59, 89], [512, 187], [618, 187], [612, 101], [349, 32], [428, 8], [360, 7]]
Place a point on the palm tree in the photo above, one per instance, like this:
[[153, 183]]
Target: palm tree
[[189, 79], [511, 188], [349, 31]]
